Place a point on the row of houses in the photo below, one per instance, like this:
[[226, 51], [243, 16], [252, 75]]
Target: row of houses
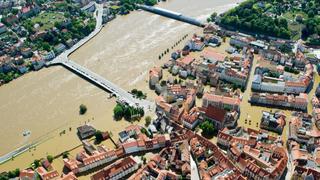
[[222, 102], [285, 84], [92, 157], [215, 66], [304, 144], [178, 104], [299, 102], [212, 163], [297, 61], [21, 64], [212, 66], [46, 172], [304, 141], [118, 169], [170, 163]]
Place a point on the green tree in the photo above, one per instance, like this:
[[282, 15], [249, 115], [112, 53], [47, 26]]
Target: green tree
[[65, 154], [141, 112], [36, 163], [163, 83], [150, 2], [46, 46], [50, 158], [207, 127], [285, 48], [140, 94], [99, 136], [83, 109], [15, 11], [148, 121], [118, 112], [128, 112], [212, 17], [134, 91], [12, 174]]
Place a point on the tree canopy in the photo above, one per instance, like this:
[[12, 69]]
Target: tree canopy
[[128, 112], [207, 128], [83, 109], [274, 18]]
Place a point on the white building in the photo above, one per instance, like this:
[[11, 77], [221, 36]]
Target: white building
[[239, 41], [48, 56]]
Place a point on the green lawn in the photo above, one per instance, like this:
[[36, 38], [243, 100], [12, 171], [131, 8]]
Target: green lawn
[[294, 26], [115, 7], [292, 15], [295, 29], [47, 19]]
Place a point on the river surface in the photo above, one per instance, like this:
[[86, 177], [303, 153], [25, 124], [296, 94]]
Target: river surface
[[48, 100]]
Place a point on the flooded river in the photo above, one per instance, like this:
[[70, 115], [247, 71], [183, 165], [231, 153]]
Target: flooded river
[[47, 102]]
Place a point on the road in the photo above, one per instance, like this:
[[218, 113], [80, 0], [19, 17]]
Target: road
[[121, 94], [64, 56], [107, 85]]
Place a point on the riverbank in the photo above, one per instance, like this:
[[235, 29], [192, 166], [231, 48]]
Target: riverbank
[[123, 52]]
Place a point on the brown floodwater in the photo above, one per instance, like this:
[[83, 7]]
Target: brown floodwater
[[47, 102]]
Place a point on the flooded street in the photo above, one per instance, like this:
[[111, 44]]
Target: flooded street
[[251, 115], [47, 102]]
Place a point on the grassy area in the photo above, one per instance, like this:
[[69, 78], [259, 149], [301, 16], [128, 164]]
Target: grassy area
[[47, 20], [115, 7], [295, 27], [292, 15]]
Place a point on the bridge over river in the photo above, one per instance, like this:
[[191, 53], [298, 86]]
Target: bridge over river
[[98, 80], [89, 75], [172, 15]]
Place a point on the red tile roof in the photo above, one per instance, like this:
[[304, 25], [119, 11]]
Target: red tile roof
[[27, 173], [213, 55], [222, 99], [186, 61], [25, 9], [215, 113], [114, 169]]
